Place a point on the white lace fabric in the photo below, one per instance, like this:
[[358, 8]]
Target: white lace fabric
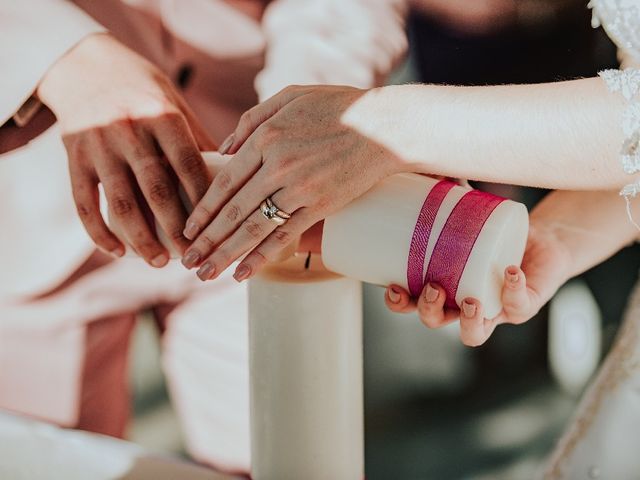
[[621, 20]]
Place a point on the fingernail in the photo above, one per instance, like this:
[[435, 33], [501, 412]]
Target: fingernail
[[191, 259], [226, 145], [512, 276], [394, 295], [242, 272], [431, 294], [117, 252], [191, 230], [469, 309], [159, 261], [205, 271]]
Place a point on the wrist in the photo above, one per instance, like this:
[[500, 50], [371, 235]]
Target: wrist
[[59, 80]]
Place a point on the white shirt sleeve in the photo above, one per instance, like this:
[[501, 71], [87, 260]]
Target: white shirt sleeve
[[338, 42], [33, 35]]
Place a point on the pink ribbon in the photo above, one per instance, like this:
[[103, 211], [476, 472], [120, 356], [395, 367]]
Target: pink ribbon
[[455, 242]]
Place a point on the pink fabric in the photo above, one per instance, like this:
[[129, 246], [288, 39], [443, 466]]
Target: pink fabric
[[421, 234]]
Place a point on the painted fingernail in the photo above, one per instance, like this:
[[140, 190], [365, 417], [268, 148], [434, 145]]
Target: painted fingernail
[[431, 294], [469, 309], [394, 295], [226, 145], [159, 261], [191, 259], [117, 252], [512, 275], [191, 230], [242, 272], [205, 271]]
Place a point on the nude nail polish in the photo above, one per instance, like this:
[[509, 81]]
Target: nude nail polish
[[469, 309], [394, 295], [191, 230], [191, 259], [431, 294], [205, 271], [159, 261], [242, 272], [226, 145]]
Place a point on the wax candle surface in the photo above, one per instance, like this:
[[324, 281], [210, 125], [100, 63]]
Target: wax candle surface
[[372, 238], [305, 331]]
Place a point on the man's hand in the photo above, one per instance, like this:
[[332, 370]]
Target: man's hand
[[125, 126]]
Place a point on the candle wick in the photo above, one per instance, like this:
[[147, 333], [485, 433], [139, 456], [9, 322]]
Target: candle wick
[[307, 262]]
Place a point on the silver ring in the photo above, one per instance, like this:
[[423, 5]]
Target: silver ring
[[271, 212]]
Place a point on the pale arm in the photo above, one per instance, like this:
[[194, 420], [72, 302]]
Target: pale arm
[[561, 135]]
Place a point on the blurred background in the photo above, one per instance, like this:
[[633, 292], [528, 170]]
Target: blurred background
[[436, 409]]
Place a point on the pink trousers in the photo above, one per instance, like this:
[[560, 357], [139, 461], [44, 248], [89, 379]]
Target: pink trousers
[[64, 354]]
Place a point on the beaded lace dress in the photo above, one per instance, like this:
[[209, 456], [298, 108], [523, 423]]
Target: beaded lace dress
[[603, 440]]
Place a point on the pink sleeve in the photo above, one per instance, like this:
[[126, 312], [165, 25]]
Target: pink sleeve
[[339, 42], [33, 35]]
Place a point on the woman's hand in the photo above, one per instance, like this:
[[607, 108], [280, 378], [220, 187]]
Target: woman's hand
[[296, 149], [125, 126], [545, 268]]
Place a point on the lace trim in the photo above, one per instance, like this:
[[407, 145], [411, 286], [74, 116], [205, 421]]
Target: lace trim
[[620, 19], [627, 83]]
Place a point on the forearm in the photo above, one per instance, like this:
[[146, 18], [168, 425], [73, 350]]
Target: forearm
[[590, 226], [558, 135]]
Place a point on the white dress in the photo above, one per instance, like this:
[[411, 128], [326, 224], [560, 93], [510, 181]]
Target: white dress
[[603, 440]]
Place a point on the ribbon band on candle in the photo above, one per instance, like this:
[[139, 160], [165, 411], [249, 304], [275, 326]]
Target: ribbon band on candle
[[421, 233], [455, 242]]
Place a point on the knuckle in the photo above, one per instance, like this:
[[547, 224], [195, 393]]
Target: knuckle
[[207, 240], [84, 210], [254, 229], [160, 192], [282, 237], [190, 162], [223, 181], [121, 206], [232, 212]]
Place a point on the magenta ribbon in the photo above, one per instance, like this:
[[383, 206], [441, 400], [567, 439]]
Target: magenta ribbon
[[456, 240]]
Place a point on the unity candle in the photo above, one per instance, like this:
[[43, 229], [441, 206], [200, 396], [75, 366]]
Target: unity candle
[[305, 344], [411, 229]]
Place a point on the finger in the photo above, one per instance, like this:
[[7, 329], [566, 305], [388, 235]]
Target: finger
[[84, 186], [271, 248], [398, 300], [126, 210], [159, 188], [176, 141], [252, 231], [256, 116], [204, 141], [516, 301], [474, 330], [431, 307], [226, 183]]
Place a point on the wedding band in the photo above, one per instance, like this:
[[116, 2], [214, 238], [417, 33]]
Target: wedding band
[[271, 212]]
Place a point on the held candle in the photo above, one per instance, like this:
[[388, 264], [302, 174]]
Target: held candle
[[411, 229]]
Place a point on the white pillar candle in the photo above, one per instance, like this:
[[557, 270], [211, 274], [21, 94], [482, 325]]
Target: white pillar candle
[[372, 237], [305, 333]]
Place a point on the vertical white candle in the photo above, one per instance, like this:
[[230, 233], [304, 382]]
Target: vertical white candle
[[305, 334]]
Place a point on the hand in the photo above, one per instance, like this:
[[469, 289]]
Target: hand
[[296, 148], [124, 126], [545, 268]]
